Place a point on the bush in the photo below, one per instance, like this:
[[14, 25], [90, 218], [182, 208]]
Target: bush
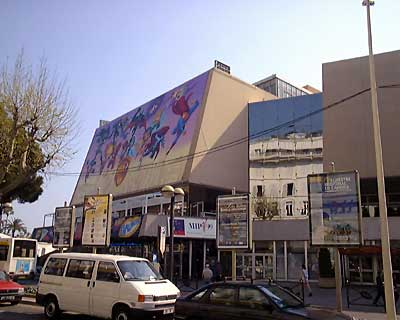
[[325, 264]]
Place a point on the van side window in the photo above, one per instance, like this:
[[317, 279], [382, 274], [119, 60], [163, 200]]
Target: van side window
[[106, 271], [80, 269], [55, 266]]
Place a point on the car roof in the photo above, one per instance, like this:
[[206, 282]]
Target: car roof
[[95, 256]]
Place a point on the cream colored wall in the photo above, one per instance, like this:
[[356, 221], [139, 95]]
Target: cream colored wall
[[224, 121]]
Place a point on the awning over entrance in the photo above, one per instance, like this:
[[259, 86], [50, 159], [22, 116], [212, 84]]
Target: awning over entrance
[[366, 251]]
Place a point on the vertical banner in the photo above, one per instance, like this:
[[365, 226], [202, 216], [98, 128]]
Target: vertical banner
[[162, 234], [233, 230], [64, 227], [97, 220], [335, 209]]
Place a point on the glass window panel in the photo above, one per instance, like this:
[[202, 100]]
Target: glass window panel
[[55, 266], [280, 260], [107, 272], [252, 298], [295, 259], [222, 295]]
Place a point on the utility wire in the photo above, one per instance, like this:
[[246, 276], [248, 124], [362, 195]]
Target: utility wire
[[225, 145]]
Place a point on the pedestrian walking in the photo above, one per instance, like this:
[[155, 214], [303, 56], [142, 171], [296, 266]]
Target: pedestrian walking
[[207, 274], [380, 291], [304, 278]]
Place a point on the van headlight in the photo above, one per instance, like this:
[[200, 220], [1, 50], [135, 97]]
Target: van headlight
[[145, 298], [21, 290]]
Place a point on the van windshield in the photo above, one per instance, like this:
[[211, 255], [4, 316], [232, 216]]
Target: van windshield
[[138, 270]]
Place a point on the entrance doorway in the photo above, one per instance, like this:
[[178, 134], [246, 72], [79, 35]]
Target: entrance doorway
[[255, 265]]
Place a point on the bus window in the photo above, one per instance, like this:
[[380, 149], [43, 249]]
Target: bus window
[[24, 249], [3, 252]]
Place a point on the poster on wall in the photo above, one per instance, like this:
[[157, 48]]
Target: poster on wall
[[335, 209], [158, 131], [97, 220], [64, 225], [125, 230], [233, 222]]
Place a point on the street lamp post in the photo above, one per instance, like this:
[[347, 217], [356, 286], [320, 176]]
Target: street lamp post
[[172, 193], [385, 239]]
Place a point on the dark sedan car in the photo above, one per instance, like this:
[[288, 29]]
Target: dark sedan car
[[229, 301]]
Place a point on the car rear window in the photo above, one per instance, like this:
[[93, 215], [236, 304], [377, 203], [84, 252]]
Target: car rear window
[[55, 266]]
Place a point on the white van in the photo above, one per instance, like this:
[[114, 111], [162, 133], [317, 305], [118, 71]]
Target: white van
[[105, 286]]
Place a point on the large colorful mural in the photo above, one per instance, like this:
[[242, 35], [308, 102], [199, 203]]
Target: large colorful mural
[[129, 153]]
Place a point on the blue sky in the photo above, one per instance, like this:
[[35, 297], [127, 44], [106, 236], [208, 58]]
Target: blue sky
[[116, 55]]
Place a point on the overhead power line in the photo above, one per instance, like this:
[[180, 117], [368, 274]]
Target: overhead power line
[[228, 144]]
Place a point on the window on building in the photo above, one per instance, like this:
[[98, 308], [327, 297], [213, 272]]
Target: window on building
[[260, 191], [304, 210], [289, 190], [289, 208]]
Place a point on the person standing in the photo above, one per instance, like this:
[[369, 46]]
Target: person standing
[[304, 278], [380, 291], [207, 274]]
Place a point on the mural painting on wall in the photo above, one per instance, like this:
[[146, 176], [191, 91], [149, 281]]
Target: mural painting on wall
[[147, 134]]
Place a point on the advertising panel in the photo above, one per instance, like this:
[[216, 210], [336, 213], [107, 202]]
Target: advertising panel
[[125, 229], [196, 228], [43, 234], [335, 211], [96, 220], [233, 222], [64, 225], [129, 153]]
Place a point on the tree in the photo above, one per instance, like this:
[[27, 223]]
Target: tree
[[38, 126], [14, 225]]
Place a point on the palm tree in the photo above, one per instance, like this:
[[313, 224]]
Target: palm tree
[[14, 225]]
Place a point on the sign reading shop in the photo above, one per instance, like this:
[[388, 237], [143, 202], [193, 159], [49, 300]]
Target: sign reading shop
[[195, 228]]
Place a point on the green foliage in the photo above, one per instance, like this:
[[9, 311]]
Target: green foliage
[[325, 264]]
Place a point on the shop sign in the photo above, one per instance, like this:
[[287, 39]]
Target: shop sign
[[233, 222], [97, 220], [125, 229], [64, 225], [195, 228], [335, 209]]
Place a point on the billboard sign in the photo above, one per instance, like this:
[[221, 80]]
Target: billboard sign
[[64, 225], [335, 209], [43, 234], [97, 220], [125, 229], [233, 222], [196, 228]]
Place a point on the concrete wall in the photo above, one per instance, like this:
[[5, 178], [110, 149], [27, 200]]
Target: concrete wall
[[224, 121], [348, 139]]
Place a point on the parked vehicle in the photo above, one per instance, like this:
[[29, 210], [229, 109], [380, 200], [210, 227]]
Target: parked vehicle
[[105, 286], [10, 291], [244, 301], [18, 257]]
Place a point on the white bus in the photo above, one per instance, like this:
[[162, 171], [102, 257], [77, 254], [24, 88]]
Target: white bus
[[18, 256]]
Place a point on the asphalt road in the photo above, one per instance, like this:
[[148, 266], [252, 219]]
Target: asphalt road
[[28, 312]]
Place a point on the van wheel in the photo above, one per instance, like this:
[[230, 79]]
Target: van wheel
[[51, 308], [122, 313]]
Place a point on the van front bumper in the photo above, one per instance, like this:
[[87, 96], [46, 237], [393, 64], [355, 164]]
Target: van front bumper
[[151, 314]]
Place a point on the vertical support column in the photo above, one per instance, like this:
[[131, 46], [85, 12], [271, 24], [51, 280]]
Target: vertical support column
[[338, 280], [274, 260], [306, 254], [285, 259], [253, 262], [190, 258], [233, 265], [204, 252]]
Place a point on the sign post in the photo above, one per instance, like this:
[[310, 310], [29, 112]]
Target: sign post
[[335, 215], [233, 230]]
